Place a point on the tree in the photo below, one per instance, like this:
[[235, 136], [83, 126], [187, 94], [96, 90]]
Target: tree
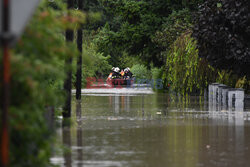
[[222, 30], [134, 25], [185, 71], [176, 23]]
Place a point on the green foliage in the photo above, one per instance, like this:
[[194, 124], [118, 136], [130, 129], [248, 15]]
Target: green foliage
[[133, 26], [128, 61], [96, 15], [226, 77], [243, 83], [94, 64], [222, 33], [140, 71], [186, 72], [157, 73], [103, 44], [157, 78], [36, 83], [177, 23]]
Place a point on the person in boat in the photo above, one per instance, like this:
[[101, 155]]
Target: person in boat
[[122, 73], [128, 74], [110, 75], [116, 73]]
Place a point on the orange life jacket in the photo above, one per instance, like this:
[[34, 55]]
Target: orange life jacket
[[122, 73], [110, 75]]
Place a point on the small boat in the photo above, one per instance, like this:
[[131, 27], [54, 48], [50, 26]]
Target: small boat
[[120, 82], [123, 78]]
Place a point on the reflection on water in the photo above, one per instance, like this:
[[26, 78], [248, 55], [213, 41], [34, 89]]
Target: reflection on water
[[155, 131], [66, 136]]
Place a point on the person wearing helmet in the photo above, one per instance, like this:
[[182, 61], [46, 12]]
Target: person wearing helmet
[[128, 74], [116, 73], [117, 69], [111, 73]]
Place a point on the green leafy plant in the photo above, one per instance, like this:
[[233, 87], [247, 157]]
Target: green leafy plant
[[135, 27], [140, 71], [94, 64], [222, 33], [186, 72], [37, 80]]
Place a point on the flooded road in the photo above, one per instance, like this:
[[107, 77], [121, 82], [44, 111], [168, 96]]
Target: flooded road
[[153, 130]]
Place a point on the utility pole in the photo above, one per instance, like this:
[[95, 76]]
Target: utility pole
[[79, 58], [68, 67], [6, 84]]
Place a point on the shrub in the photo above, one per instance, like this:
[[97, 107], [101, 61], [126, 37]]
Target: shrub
[[186, 72], [94, 64], [157, 78], [36, 83], [140, 71], [222, 30], [157, 73]]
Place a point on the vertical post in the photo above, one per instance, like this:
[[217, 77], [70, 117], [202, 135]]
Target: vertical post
[[239, 99], [224, 97], [68, 66], [6, 86], [66, 137], [79, 141], [79, 133], [79, 59]]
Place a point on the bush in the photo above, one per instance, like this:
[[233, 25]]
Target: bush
[[157, 73], [222, 31], [176, 23], [128, 60], [94, 64], [186, 72], [140, 72], [157, 78], [36, 83]]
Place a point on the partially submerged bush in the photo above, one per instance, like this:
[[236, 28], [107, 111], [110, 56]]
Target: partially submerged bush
[[186, 72]]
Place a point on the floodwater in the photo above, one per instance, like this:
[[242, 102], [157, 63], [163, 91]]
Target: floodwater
[[152, 130]]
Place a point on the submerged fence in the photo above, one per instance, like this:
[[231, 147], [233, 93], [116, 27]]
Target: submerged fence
[[222, 97]]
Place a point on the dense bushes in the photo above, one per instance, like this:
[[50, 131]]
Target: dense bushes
[[37, 78], [176, 23], [222, 31], [134, 27], [140, 29], [140, 71], [94, 64], [185, 71]]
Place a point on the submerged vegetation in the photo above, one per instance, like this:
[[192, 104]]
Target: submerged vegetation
[[185, 71]]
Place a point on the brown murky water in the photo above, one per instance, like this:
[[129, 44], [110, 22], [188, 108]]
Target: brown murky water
[[153, 130]]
